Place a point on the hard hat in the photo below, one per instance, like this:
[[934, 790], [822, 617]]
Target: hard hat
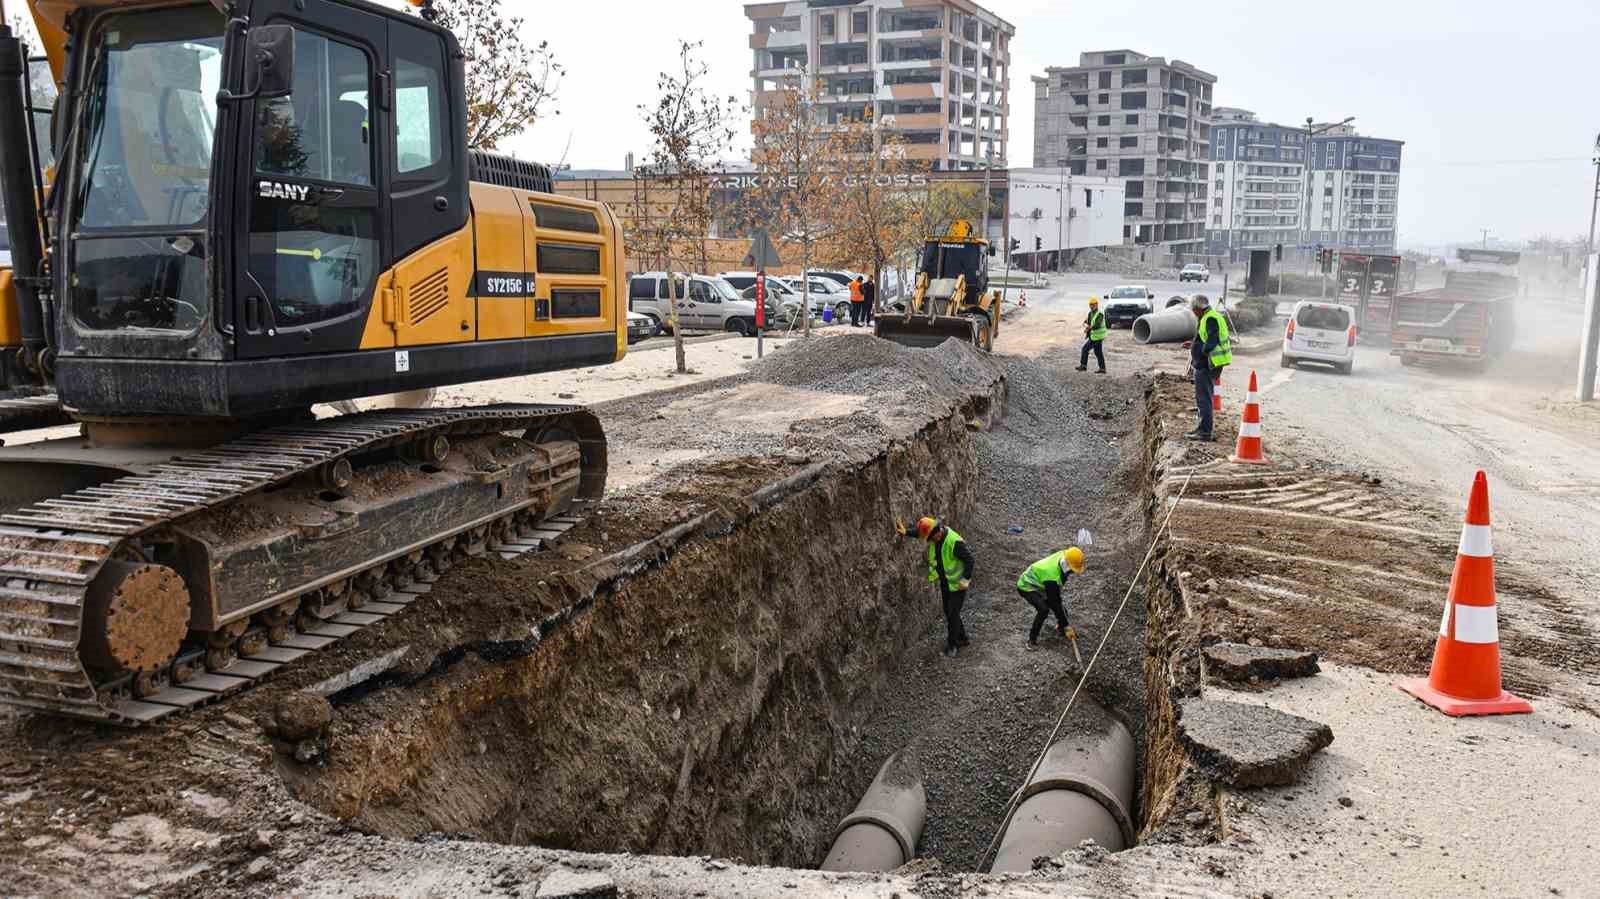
[[1094, 301], [926, 527], [1073, 559]]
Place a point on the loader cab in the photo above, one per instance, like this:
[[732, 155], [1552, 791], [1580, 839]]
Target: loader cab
[[237, 192], [946, 258]]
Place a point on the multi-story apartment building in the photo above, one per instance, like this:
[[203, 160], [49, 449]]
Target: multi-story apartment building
[[1141, 118], [1257, 196], [1353, 195], [1266, 191], [937, 72]]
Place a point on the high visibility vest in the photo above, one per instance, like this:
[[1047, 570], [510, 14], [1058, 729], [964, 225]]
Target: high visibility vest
[[1045, 571], [855, 292], [954, 571], [1223, 354], [1097, 325]]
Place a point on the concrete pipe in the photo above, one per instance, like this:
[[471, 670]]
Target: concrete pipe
[[1176, 323], [1082, 790], [882, 833]]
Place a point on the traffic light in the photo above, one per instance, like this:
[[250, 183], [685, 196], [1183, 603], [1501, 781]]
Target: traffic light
[[1038, 243], [1015, 244], [1277, 253]]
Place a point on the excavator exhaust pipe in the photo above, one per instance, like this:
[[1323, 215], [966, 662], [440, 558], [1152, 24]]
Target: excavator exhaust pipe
[[1083, 790], [882, 833]]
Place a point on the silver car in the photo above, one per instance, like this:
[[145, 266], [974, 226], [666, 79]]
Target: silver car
[[705, 303]]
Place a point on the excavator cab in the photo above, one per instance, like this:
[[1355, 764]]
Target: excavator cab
[[951, 298]]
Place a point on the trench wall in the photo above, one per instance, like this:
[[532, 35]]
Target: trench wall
[[701, 702]]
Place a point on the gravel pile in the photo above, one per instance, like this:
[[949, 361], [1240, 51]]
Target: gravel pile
[[863, 365]]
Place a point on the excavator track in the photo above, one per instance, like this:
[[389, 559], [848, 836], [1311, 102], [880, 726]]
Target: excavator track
[[52, 552]]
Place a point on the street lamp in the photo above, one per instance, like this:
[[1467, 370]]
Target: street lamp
[[1305, 169], [1064, 204]]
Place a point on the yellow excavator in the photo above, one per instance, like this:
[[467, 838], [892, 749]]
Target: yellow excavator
[[951, 297], [234, 212]]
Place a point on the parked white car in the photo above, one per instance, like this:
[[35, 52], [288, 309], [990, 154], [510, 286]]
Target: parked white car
[[1320, 332], [1124, 304], [705, 303], [1194, 271]]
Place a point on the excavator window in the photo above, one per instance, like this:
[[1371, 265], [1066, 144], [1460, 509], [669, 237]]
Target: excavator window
[[419, 117], [314, 241], [138, 261]]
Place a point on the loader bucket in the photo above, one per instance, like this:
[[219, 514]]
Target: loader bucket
[[923, 331]]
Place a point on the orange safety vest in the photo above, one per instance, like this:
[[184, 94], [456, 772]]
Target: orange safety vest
[[855, 292]]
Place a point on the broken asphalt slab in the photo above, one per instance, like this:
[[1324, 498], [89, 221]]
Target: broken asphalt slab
[[1242, 663], [1248, 745], [565, 884]]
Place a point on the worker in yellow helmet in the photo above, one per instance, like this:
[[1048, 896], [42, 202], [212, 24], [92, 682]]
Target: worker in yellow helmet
[[950, 566], [1094, 337], [1040, 586]]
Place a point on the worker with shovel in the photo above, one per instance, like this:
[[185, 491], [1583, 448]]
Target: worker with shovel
[[1040, 586], [950, 565]]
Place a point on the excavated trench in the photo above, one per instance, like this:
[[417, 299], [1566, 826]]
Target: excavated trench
[[706, 668]]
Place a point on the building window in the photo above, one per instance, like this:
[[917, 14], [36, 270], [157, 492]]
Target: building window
[[1133, 190], [1132, 209], [1219, 184], [1116, 59], [827, 24], [1127, 167], [1079, 121], [1080, 99], [1134, 77], [1088, 199], [1099, 165], [1222, 169], [1104, 81], [1102, 99], [1134, 100], [1103, 121], [1131, 119], [858, 23], [1130, 142], [1100, 143]]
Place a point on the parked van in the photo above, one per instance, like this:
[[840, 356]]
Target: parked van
[[704, 303], [1320, 332]]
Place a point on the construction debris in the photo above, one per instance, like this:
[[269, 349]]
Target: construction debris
[[1100, 262], [1244, 663], [1249, 745]]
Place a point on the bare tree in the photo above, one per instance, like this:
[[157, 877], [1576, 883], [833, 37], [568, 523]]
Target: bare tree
[[689, 127], [509, 84], [801, 162], [873, 205]]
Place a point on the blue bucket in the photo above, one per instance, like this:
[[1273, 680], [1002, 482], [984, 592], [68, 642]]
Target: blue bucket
[[827, 314]]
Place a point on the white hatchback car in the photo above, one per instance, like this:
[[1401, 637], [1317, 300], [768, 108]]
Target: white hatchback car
[[1321, 332]]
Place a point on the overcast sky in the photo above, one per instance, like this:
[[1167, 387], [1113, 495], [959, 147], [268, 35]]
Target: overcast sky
[[1496, 101]]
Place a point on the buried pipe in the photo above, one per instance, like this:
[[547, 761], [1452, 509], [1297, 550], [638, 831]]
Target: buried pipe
[[881, 834], [1082, 790], [1166, 326]]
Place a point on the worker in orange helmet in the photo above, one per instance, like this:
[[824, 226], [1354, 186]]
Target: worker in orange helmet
[[950, 567]]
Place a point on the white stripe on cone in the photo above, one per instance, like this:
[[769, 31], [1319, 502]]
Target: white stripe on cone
[[1250, 429], [1250, 399], [1475, 541], [1476, 624]]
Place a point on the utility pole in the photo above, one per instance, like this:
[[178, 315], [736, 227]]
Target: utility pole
[[988, 166], [1064, 208], [1590, 350], [1486, 237], [1305, 173]]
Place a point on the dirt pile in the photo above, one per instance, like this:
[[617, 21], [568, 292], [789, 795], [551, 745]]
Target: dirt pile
[[1100, 262]]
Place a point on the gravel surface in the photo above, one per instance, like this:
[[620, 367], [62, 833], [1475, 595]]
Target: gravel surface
[[977, 721]]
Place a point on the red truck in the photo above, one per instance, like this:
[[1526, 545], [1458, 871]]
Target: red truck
[[1472, 318]]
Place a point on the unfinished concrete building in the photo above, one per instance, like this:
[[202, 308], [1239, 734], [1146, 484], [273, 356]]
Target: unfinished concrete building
[[937, 73], [1124, 114]]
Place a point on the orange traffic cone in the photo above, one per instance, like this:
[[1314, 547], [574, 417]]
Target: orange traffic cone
[[1465, 678], [1248, 449], [1022, 298]]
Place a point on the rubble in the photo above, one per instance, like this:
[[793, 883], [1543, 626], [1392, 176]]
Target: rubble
[[1244, 663], [1248, 745], [566, 884], [301, 716], [1100, 262]]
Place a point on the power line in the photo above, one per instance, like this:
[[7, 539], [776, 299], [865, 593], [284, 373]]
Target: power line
[[1493, 162]]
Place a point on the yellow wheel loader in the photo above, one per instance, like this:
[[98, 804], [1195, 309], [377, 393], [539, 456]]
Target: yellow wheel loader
[[951, 298], [255, 207]]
